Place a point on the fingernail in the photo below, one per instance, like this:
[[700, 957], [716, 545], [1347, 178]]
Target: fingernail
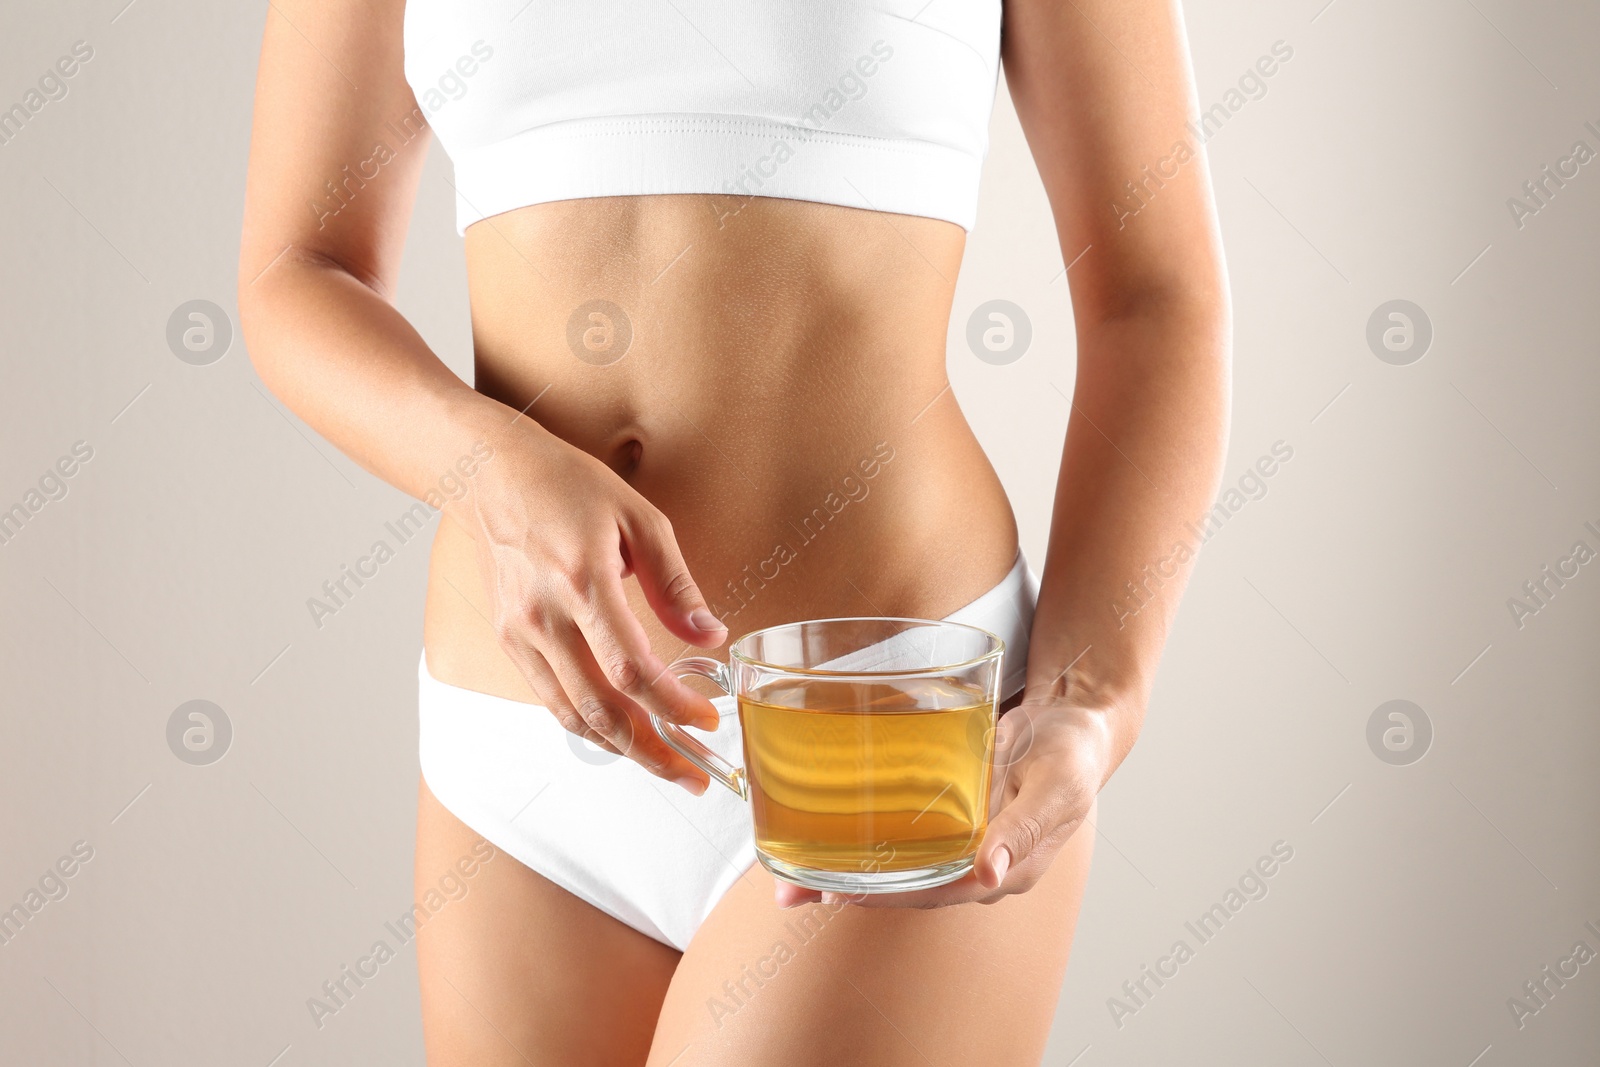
[[1002, 863], [704, 620], [694, 785]]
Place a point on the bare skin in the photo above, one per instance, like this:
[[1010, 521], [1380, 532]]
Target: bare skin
[[774, 345]]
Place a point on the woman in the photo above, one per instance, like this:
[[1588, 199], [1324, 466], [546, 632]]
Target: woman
[[711, 250]]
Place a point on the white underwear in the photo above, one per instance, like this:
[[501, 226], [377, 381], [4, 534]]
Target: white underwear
[[640, 849]]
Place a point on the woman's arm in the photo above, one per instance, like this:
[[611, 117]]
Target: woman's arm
[[1103, 89], [336, 154]]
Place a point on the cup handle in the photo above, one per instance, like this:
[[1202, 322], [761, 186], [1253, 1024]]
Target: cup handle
[[685, 745]]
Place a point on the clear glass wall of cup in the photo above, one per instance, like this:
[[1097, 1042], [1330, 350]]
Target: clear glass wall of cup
[[868, 746]]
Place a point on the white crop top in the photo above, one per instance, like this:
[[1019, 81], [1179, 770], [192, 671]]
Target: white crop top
[[883, 106]]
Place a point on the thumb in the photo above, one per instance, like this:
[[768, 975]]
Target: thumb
[[1018, 831], [651, 551]]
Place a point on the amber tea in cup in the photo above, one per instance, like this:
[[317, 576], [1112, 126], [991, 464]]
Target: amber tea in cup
[[867, 748]]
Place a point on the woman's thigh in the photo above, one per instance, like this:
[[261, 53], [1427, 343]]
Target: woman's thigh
[[973, 983], [520, 971]]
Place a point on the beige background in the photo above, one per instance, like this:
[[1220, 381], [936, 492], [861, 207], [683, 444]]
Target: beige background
[[1419, 498]]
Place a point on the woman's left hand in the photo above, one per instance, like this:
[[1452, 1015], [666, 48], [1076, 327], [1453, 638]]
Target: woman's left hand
[[1052, 756]]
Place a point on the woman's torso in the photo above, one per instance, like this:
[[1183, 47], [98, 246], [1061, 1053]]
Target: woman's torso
[[782, 399]]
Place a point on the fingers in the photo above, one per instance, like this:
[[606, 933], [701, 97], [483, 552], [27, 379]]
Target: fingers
[[964, 890], [652, 552], [630, 667], [537, 670], [1026, 833], [1013, 836], [789, 895], [562, 615], [575, 692], [588, 659], [1021, 841], [972, 888], [617, 718]]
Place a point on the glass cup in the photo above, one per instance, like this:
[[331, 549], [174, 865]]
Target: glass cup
[[868, 746]]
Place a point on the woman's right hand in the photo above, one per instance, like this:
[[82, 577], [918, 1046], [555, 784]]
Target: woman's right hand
[[557, 532]]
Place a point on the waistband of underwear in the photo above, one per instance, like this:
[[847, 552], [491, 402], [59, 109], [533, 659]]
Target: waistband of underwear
[[1006, 611]]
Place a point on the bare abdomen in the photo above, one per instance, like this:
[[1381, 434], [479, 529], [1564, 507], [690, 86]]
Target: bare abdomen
[[771, 378]]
